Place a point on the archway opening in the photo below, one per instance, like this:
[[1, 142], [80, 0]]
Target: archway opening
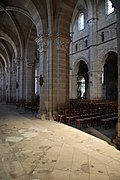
[[82, 80], [110, 84]]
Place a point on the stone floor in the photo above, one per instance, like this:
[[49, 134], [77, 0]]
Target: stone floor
[[31, 149]]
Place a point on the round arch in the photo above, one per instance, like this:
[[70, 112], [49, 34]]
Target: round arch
[[79, 79], [110, 76], [3, 58], [75, 65], [103, 55], [5, 52]]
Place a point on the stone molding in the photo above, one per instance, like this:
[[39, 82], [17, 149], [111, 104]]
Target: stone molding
[[92, 20]]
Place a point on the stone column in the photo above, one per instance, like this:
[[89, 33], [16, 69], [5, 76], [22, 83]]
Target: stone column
[[73, 86], [42, 42], [37, 73], [57, 74], [117, 5], [49, 71], [54, 68], [6, 84], [61, 74], [13, 82], [9, 83], [0, 86], [30, 78], [3, 86], [95, 83], [21, 82], [17, 79]]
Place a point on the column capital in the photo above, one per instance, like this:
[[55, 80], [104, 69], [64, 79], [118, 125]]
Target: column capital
[[29, 62], [6, 69], [42, 41], [52, 37], [62, 43], [17, 61]]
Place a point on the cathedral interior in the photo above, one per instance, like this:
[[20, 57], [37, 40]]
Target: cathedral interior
[[59, 65]]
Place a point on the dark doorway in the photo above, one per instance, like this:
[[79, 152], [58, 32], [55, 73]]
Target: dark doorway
[[111, 77]]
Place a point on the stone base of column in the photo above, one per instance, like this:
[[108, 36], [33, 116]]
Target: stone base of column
[[50, 116], [44, 116], [55, 116], [41, 116], [38, 114], [117, 142], [47, 116]]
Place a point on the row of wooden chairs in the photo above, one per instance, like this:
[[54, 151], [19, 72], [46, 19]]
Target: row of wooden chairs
[[103, 120], [103, 114]]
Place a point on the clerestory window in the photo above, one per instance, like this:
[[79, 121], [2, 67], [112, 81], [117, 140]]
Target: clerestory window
[[110, 9], [81, 22]]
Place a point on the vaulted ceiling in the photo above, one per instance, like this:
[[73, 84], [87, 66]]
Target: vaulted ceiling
[[23, 20]]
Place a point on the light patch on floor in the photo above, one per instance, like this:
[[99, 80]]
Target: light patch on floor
[[14, 139]]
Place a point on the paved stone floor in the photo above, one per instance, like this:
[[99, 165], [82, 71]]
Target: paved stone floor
[[31, 149]]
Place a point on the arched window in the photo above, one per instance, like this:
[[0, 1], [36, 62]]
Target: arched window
[[110, 9], [81, 22]]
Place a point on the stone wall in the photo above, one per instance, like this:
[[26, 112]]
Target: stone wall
[[92, 45]]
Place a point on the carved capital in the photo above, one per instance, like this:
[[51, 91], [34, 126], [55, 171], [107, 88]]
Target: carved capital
[[30, 63], [17, 60], [43, 46], [62, 43], [42, 41]]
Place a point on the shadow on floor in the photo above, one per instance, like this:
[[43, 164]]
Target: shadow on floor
[[104, 134]]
